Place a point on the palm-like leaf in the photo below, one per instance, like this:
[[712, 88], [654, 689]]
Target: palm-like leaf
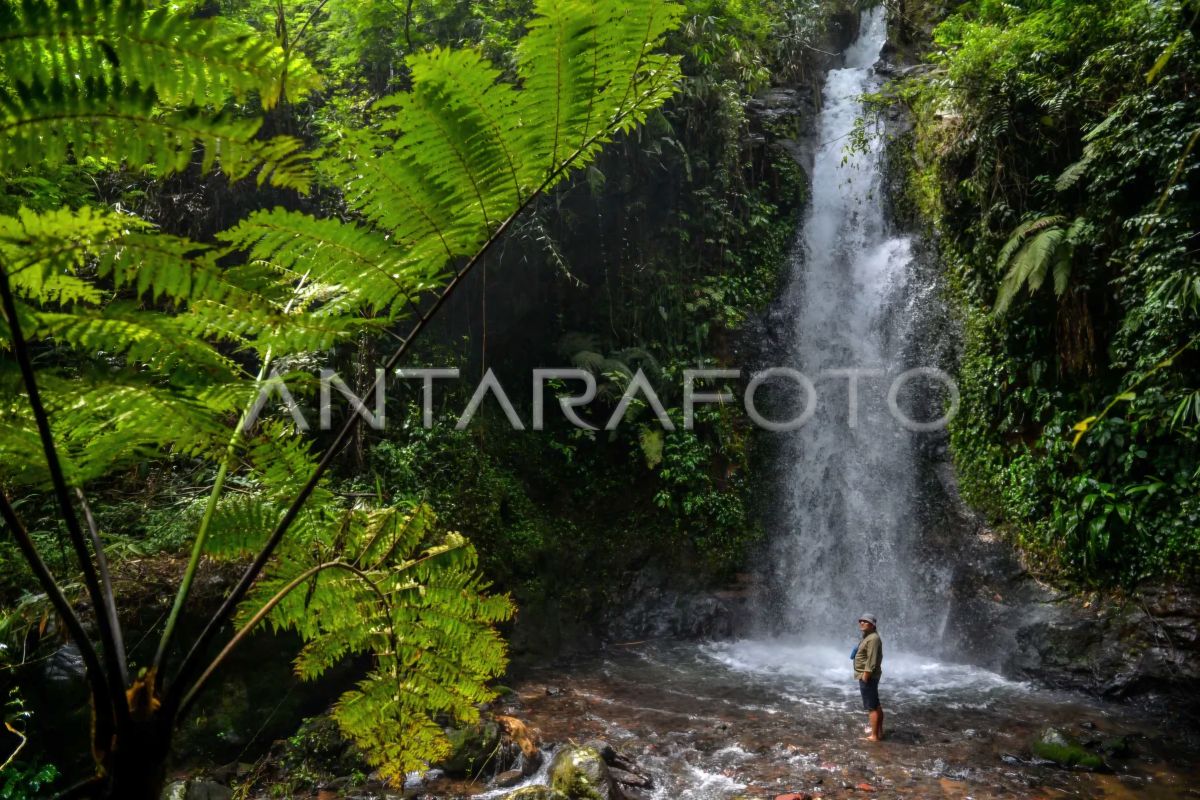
[[1036, 248]]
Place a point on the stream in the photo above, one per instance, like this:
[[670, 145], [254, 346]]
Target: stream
[[774, 716]]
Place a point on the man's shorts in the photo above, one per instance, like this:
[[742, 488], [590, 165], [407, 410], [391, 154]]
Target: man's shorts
[[870, 693]]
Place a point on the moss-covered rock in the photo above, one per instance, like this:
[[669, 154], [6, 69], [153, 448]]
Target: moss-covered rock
[[1054, 745], [471, 749], [536, 793], [581, 774]]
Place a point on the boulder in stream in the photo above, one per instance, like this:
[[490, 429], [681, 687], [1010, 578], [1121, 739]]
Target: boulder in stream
[[1053, 745], [471, 749], [581, 774], [536, 793]]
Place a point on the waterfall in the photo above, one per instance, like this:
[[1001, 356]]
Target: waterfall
[[846, 516]]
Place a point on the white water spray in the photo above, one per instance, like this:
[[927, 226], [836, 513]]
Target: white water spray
[[848, 512]]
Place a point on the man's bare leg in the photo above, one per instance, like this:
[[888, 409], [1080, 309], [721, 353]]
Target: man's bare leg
[[876, 725]]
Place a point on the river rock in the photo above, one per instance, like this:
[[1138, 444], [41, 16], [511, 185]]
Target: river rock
[[630, 779], [1053, 745], [581, 774], [471, 748], [536, 793], [509, 778], [196, 790]]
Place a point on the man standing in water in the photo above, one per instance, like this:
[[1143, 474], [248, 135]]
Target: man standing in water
[[868, 660]]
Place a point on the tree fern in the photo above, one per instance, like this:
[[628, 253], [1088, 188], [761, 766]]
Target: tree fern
[[1037, 248], [121, 80], [172, 330]]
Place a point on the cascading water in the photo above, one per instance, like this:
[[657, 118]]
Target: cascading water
[[780, 714], [847, 495]]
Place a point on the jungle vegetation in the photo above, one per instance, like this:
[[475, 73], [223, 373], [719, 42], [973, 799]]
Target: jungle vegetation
[[127, 343], [1055, 158]]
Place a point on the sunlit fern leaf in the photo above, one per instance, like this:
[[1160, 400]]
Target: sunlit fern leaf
[[126, 125], [240, 524], [151, 340], [102, 425], [469, 149], [359, 268], [189, 60], [406, 593], [43, 252], [141, 86]]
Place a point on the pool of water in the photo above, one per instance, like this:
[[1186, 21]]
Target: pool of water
[[770, 716]]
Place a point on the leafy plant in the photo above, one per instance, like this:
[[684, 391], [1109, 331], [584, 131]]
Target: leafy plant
[[153, 319], [1037, 247]]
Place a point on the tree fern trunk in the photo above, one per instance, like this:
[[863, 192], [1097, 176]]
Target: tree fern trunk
[[139, 765]]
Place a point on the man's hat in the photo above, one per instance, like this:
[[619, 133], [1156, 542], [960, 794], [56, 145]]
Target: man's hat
[[867, 618]]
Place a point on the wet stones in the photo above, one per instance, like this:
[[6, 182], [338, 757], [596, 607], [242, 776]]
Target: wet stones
[[581, 774], [536, 793], [1055, 746], [596, 771], [471, 748], [196, 790]]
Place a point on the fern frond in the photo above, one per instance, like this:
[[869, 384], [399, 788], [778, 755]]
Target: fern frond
[[152, 340], [1021, 232], [100, 425], [1029, 266], [359, 268], [239, 526], [189, 60], [124, 123]]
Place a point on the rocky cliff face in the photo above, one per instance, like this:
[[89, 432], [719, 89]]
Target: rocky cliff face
[[1141, 645]]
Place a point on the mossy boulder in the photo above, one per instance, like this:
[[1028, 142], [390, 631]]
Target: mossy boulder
[[536, 793], [470, 749], [1054, 745], [581, 774], [318, 752]]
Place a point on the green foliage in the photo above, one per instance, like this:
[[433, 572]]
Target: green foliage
[[358, 580], [139, 85], [142, 327], [1036, 247], [1057, 141], [19, 779]]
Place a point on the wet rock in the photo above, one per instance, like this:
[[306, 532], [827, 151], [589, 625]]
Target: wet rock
[[471, 748], [658, 613], [509, 778], [632, 793], [581, 774], [536, 793], [1116, 747], [208, 790], [630, 779], [529, 763], [1053, 745], [196, 790], [1143, 643], [520, 746], [603, 748]]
